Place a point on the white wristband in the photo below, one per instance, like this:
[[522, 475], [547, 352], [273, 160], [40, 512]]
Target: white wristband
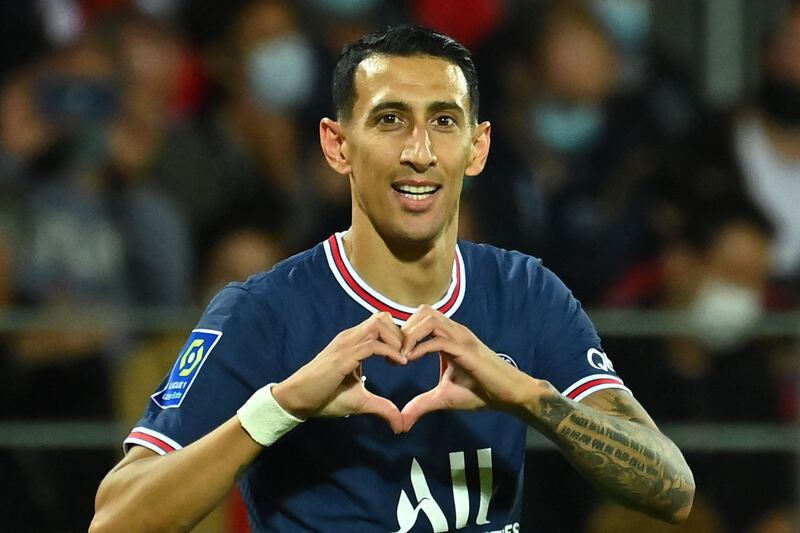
[[263, 417]]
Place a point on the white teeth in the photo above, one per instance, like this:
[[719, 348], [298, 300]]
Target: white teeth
[[416, 189], [414, 196]]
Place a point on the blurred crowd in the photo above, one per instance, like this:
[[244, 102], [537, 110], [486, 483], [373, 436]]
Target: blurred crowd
[[153, 150]]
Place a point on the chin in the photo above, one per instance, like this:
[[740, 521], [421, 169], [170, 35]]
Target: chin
[[413, 234]]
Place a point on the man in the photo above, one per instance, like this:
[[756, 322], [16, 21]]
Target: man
[[322, 329]]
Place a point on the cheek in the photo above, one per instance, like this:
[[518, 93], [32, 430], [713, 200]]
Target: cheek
[[366, 182], [372, 166], [454, 163]]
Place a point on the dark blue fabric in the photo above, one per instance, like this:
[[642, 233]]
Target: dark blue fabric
[[348, 474]]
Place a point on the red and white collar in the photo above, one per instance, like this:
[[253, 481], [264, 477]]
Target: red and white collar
[[374, 301]]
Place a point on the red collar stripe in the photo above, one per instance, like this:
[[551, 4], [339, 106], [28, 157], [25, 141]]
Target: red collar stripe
[[453, 297], [370, 299]]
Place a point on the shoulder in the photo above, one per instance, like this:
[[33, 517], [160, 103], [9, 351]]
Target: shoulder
[[483, 255], [290, 274], [507, 266], [287, 267], [270, 291]]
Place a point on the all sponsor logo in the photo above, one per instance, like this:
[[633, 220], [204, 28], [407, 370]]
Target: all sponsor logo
[[599, 360], [408, 513]]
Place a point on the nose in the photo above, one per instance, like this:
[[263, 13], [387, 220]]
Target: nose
[[418, 150]]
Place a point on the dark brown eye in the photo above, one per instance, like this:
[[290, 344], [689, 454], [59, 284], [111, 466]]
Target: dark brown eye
[[389, 119], [445, 121]]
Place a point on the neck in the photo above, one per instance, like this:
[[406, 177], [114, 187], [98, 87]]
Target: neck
[[409, 273]]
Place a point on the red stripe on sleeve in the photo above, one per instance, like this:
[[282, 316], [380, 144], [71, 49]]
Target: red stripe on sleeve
[[595, 382], [152, 440]]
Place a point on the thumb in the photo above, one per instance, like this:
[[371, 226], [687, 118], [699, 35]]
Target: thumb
[[419, 406], [380, 406]]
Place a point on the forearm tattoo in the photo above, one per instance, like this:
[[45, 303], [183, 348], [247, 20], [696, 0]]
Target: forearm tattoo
[[634, 464]]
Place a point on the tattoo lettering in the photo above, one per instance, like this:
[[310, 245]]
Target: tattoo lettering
[[631, 461]]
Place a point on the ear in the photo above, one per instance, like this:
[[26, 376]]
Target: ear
[[479, 151], [334, 145]]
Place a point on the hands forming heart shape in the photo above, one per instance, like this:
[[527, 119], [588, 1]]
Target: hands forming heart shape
[[471, 375]]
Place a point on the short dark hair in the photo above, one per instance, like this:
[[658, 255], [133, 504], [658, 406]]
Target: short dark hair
[[405, 41]]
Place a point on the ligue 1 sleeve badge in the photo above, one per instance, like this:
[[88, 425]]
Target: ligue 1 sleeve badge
[[190, 360]]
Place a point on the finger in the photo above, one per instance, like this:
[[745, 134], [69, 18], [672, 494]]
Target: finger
[[388, 331], [435, 344], [421, 313], [380, 406], [419, 406], [430, 325], [378, 326], [367, 349]]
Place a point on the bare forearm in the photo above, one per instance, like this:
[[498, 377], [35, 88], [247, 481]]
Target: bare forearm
[[635, 465], [175, 491]]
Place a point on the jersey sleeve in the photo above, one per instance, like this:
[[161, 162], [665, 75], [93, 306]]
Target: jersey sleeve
[[568, 350], [228, 356]]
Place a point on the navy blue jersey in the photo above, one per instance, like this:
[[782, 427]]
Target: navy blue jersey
[[453, 470]]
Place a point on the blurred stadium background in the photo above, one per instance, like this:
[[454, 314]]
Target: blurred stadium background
[[647, 150]]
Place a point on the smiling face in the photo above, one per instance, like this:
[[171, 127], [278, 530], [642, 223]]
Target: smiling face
[[407, 146]]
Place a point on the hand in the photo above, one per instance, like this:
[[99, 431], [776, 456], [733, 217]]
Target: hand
[[331, 385], [471, 375]]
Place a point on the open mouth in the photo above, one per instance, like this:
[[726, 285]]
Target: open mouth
[[416, 192]]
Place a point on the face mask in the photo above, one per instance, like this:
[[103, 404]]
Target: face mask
[[567, 128], [348, 9], [281, 73], [628, 21], [722, 314], [780, 100], [158, 8]]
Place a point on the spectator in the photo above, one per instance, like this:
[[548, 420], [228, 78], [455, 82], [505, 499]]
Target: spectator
[[648, 78], [88, 236], [243, 156], [767, 143], [570, 188], [755, 148], [239, 253], [715, 268]]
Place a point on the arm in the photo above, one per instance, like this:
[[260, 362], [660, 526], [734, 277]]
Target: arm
[[609, 437], [612, 441], [173, 492]]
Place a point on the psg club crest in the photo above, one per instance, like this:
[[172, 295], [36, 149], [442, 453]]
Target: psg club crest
[[190, 360], [507, 359]]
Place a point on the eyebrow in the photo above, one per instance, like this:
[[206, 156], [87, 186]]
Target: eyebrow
[[444, 105], [447, 106], [383, 106]]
